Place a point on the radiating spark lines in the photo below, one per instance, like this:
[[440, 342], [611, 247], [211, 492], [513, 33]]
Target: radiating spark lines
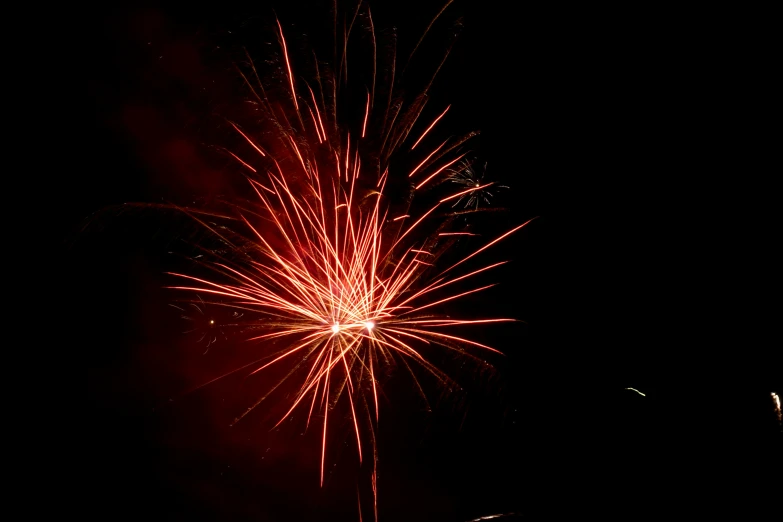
[[348, 277]]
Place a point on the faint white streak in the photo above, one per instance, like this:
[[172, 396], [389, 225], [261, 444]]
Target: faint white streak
[[490, 517]]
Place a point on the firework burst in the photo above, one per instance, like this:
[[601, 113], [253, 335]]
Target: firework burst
[[480, 192], [208, 324], [345, 251]]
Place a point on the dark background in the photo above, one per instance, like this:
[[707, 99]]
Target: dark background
[[644, 141]]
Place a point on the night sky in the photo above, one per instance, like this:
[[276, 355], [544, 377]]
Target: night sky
[[642, 139]]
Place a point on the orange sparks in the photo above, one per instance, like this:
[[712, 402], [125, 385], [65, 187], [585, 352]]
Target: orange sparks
[[426, 159], [241, 161], [336, 283], [248, 139], [366, 115], [316, 258], [430, 127], [288, 66], [444, 167]]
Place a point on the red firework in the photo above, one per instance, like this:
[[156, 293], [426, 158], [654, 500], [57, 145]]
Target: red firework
[[330, 257]]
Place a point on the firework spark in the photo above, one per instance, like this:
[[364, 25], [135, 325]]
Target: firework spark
[[637, 391], [208, 324], [332, 257], [481, 192], [493, 517]]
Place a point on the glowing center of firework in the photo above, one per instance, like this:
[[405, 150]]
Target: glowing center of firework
[[337, 327]]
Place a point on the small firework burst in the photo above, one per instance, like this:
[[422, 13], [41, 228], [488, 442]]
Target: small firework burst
[[471, 177], [208, 322]]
